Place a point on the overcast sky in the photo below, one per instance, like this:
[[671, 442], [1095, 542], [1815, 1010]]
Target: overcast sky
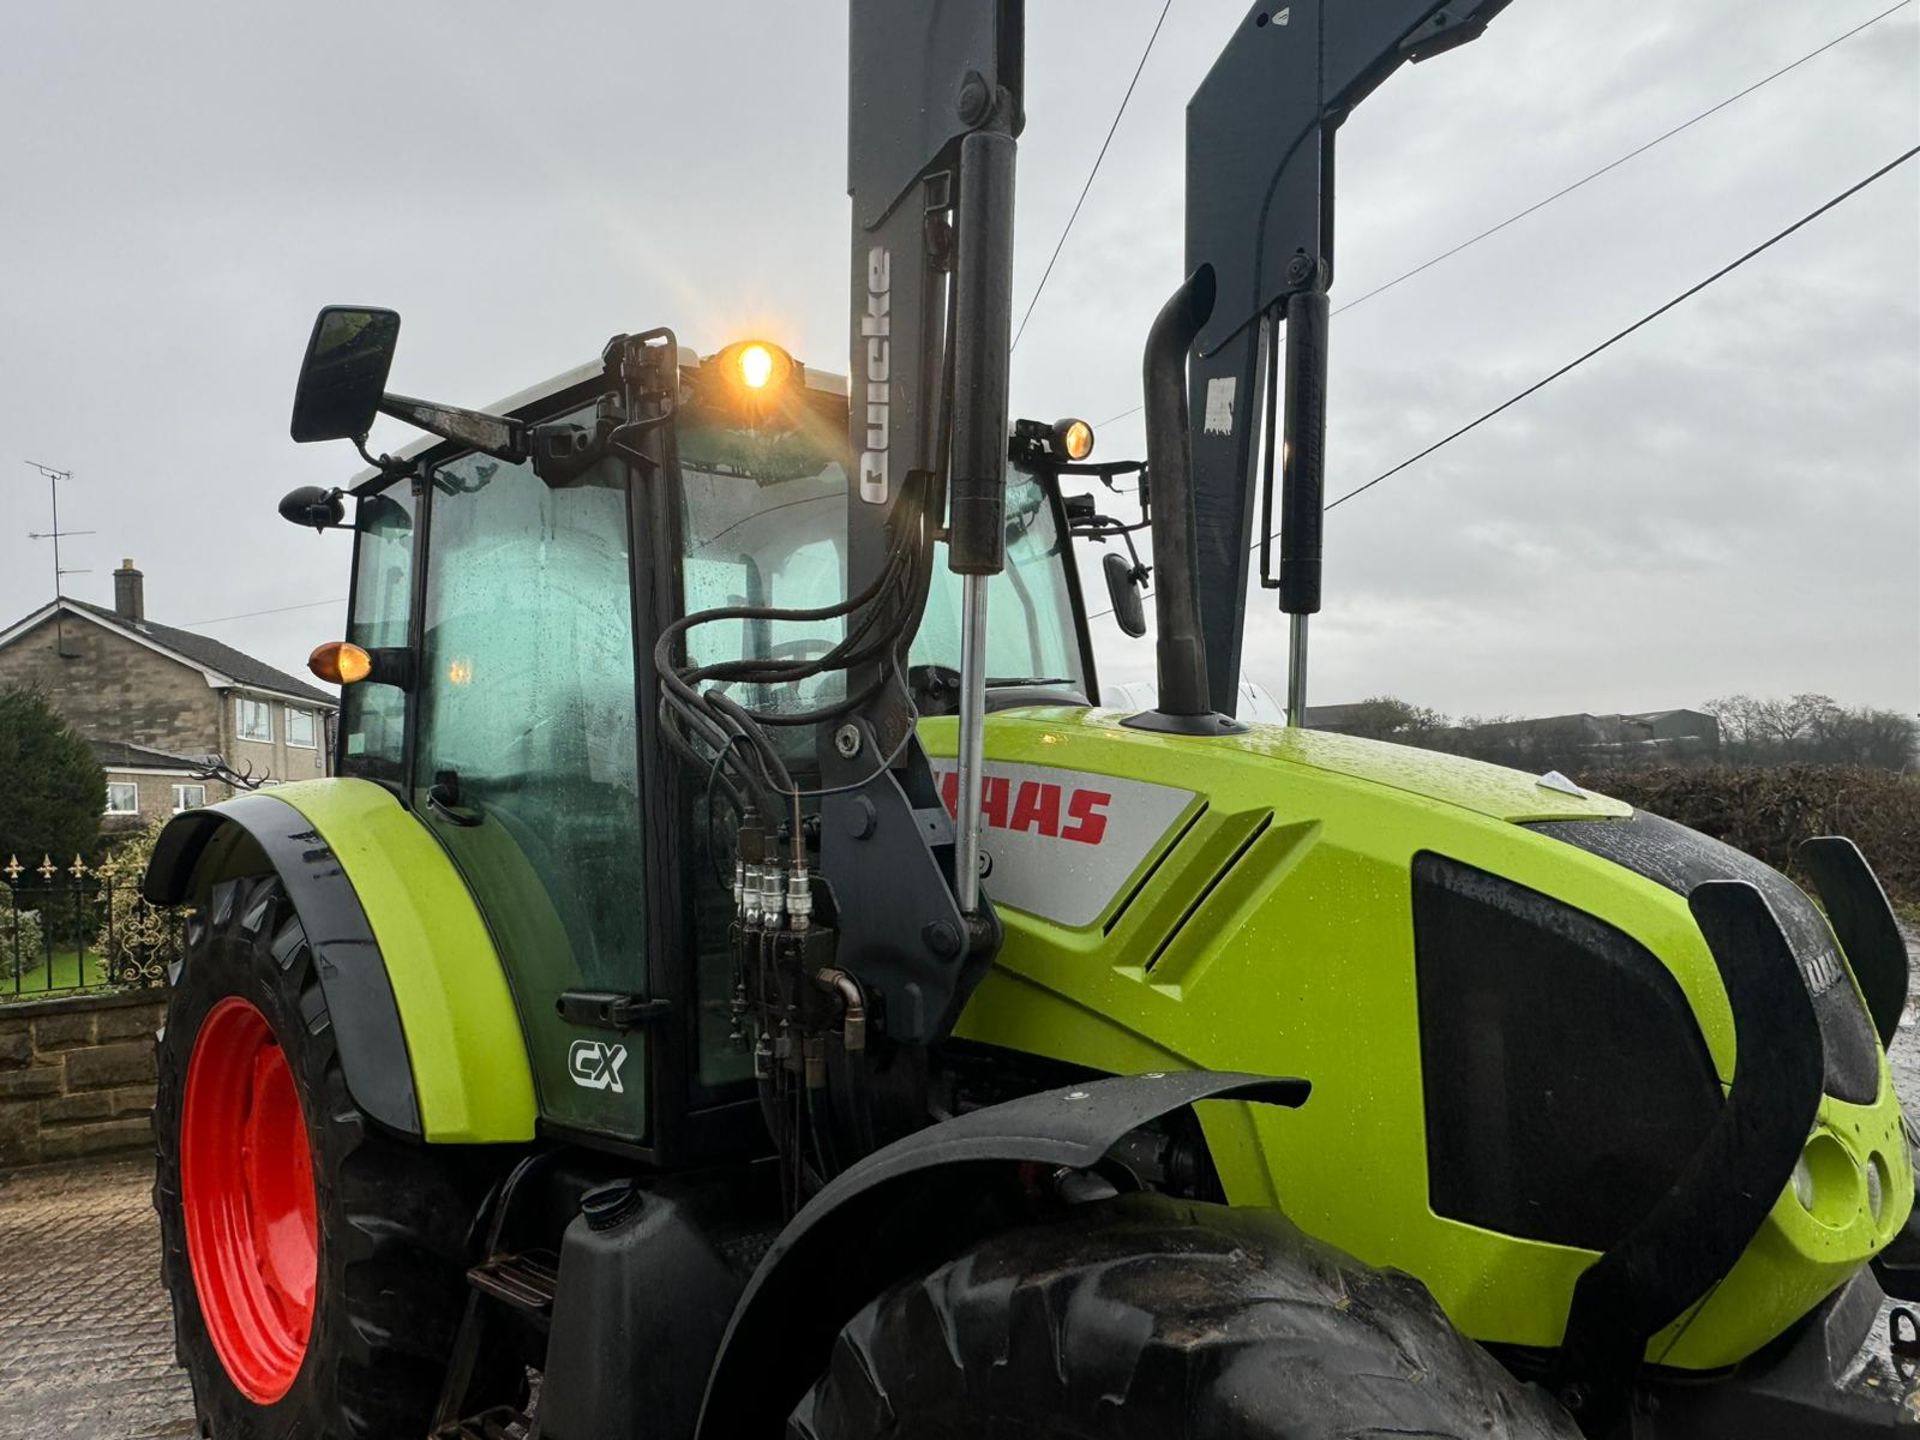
[[1729, 500]]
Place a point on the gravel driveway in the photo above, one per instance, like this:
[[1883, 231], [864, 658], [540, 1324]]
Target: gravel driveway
[[86, 1345]]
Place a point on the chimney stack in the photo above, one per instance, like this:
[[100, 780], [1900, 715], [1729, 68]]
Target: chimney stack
[[129, 594]]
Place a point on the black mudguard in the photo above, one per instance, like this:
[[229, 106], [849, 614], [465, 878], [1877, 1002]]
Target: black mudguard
[[353, 976], [908, 1207]]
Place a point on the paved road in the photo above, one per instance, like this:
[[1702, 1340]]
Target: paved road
[[86, 1345]]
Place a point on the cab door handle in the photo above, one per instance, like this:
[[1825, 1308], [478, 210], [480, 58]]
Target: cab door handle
[[443, 798]]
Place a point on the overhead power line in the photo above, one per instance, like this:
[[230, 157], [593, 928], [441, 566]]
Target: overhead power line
[[277, 610], [1613, 339], [1618, 336], [1613, 164], [1061, 244]]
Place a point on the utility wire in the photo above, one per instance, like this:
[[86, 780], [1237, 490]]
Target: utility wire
[[1646, 319], [1611, 340], [279, 610], [1614, 164], [1093, 172]]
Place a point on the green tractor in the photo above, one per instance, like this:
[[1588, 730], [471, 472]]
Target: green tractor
[[738, 985]]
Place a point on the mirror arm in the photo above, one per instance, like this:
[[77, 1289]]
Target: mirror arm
[[389, 468], [1100, 527], [1106, 470], [493, 435]]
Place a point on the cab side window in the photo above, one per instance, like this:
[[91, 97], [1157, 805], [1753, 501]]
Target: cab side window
[[373, 717]]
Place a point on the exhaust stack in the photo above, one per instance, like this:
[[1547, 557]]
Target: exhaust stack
[[1180, 647]]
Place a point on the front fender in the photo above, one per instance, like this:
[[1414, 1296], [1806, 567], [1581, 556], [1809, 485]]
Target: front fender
[[429, 1039], [909, 1206]]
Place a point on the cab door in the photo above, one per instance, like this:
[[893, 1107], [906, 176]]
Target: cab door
[[527, 760]]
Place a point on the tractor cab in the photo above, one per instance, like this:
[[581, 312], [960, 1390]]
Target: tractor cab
[[511, 580]]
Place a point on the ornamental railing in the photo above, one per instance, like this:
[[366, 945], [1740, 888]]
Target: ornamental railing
[[77, 927]]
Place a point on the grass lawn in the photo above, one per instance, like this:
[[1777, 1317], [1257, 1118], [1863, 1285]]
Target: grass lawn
[[62, 973]]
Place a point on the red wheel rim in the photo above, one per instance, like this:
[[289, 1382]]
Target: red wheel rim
[[246, 1187]]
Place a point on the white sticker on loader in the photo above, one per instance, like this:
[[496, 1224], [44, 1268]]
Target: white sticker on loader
[[595, 1065], [1061, 843], [1219, 416]]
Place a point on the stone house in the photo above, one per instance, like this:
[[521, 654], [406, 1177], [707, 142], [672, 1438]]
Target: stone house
[[159, 704]]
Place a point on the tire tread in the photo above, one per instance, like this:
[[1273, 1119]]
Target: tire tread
[[1145, 1317]]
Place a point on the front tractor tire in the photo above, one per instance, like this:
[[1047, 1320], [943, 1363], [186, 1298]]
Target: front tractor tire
[[316, 1264], [1150, 1319]]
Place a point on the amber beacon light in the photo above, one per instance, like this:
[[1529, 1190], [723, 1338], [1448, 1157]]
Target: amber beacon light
[[759, 366], [340, 662]]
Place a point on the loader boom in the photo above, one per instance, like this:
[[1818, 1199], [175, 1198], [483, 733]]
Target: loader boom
[[1260, 214], [936, 105]]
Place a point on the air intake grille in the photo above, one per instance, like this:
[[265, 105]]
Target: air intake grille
[[1565, 1080]]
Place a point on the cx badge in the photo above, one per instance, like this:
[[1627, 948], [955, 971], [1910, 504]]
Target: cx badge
[[595, 1065]]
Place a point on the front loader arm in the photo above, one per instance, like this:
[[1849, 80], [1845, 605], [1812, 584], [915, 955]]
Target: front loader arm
[[1260, 133], [936, 101], [935, 96]]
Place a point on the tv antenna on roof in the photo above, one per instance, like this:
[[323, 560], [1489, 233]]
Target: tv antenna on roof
[[54, 477]]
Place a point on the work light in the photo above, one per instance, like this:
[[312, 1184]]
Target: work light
[[1076, 438]]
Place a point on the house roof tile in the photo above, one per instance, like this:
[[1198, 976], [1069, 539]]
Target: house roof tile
[[120, 755], [202, 650]]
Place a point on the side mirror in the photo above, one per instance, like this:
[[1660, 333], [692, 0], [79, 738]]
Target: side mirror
[[311, 505], [344, 374], [1124, 592]]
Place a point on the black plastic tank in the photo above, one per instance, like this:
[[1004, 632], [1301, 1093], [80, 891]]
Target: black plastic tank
[[639, 1310]]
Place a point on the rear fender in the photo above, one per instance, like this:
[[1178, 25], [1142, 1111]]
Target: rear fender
[[429, 1040], [909, 1206]]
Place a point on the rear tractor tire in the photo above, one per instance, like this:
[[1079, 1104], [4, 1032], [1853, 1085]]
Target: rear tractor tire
[[316, 1265], [1143, 1318]]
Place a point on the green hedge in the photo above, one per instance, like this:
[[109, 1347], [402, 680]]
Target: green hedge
[[1768, 811]]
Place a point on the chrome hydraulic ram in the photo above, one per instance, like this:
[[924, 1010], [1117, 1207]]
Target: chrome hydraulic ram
[[977, 503]]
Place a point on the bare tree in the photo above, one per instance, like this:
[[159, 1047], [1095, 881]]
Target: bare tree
[[1385, 717], [1813, 728]]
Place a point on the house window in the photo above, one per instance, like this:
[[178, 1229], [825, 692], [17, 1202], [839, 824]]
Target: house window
[[256, 720], [300, 728], [188, 797], [123, 798]]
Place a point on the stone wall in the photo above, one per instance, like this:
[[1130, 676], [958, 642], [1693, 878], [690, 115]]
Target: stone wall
[[77, 1076]]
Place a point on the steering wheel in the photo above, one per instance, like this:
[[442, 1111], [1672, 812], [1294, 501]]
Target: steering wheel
[[796, 649]]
